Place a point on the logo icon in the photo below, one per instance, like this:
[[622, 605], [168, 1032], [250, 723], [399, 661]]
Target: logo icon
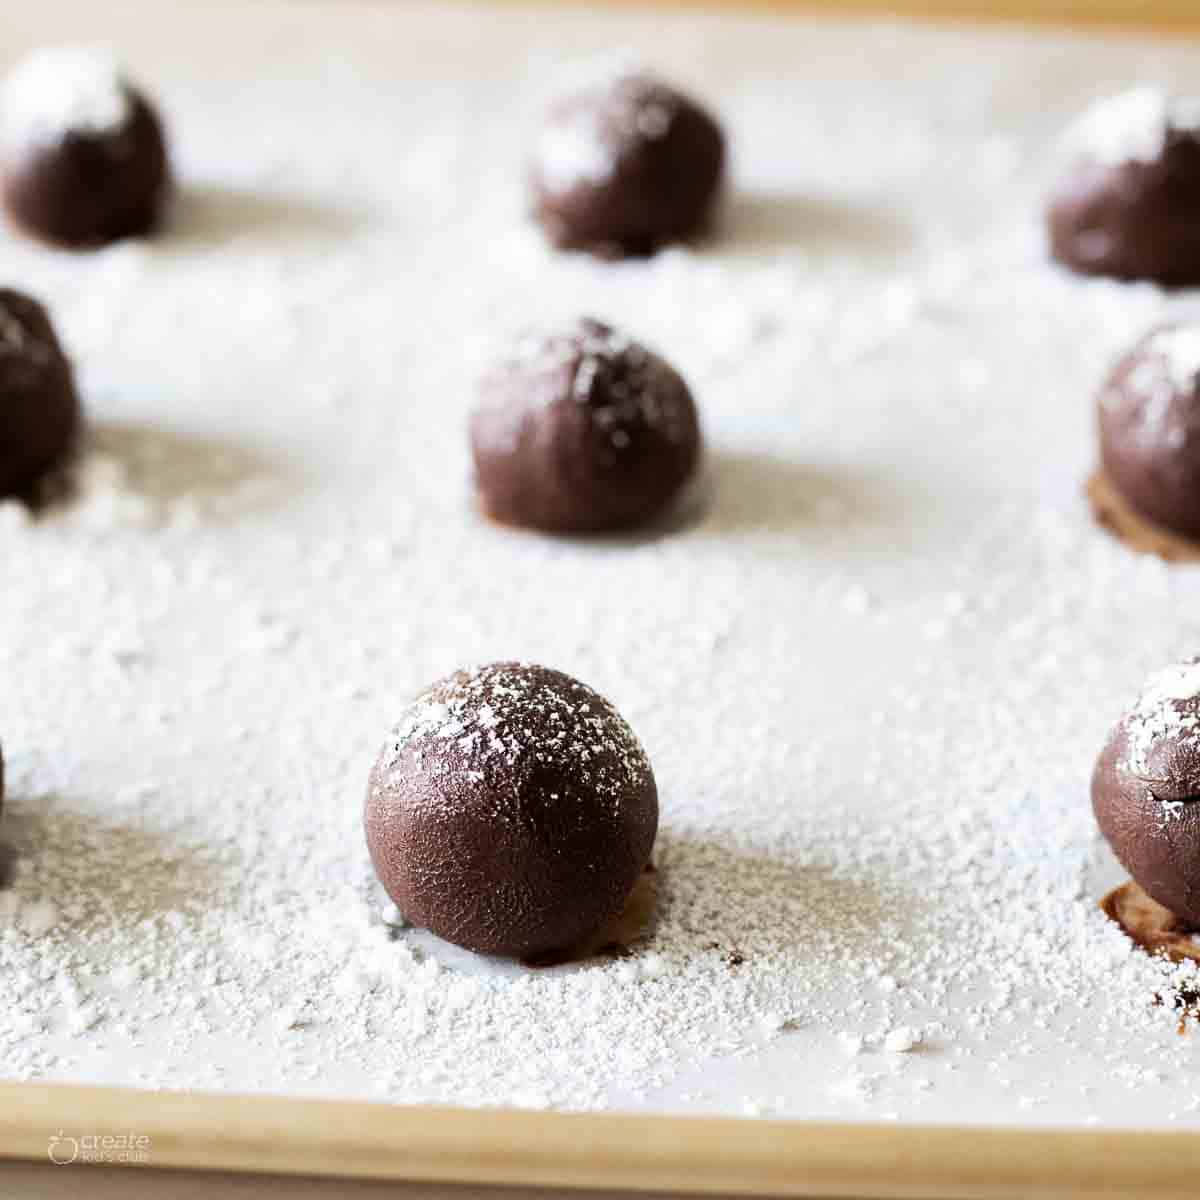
[[62, 1150]]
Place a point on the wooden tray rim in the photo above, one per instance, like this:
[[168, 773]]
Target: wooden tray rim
[[342, 1139], [263, 1134]]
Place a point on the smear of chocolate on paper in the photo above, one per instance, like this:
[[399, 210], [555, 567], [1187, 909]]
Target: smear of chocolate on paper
[[1114, 513]]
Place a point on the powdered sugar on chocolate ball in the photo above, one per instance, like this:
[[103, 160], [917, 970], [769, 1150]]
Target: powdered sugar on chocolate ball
[[1149, 418], [511, 811], [1130, 204], [582, 431], [55, 92], [1146, 790], [84, 155], [39, 408], [626, 164]]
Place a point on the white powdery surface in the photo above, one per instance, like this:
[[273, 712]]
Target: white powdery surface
[[872, 670], [62, 90]]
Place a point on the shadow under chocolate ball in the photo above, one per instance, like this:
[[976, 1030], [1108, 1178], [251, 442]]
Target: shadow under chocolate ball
[[512, 811], [1149, 426], [84, 153], [583, 431], [626, 165], [39, 407], [1146, 791]]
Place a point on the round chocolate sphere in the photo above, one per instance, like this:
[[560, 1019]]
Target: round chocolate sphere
[[39, 410], [625, 165], [1146, 790], [582, 431], [511, 811], [1149, 418], [1130, 204], [84, 159]]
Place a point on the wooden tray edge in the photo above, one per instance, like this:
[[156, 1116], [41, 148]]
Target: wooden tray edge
[[1148, 16], [343, 1139]]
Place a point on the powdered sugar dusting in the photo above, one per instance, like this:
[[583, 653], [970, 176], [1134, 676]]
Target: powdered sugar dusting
[[65, 90], [572, 152], [1166, 710], [1132, 126], [1179, 349], [622, 384], [639, 386], [586, 134], [508, 713], [872, 675]]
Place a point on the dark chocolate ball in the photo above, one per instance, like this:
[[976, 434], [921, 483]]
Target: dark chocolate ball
[[84, 155], [1130, 205], [1146, 790], [1149, 418], [511, 811], [625, 165], [582, 431], [39, 409]]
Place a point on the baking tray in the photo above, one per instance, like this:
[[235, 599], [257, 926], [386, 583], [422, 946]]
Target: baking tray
[[739, 60]]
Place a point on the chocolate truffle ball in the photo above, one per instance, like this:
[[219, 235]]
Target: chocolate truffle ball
[[511, 811], [1149, 417], [582, 431], [84, 160], [1130, 204], [39, 410], [1146, 790], [624, 165]]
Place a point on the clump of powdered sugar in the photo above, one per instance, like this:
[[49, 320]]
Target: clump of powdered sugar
[[587, 131], [64, 90], [1165, 711], [574, 150], [1132, 126]]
